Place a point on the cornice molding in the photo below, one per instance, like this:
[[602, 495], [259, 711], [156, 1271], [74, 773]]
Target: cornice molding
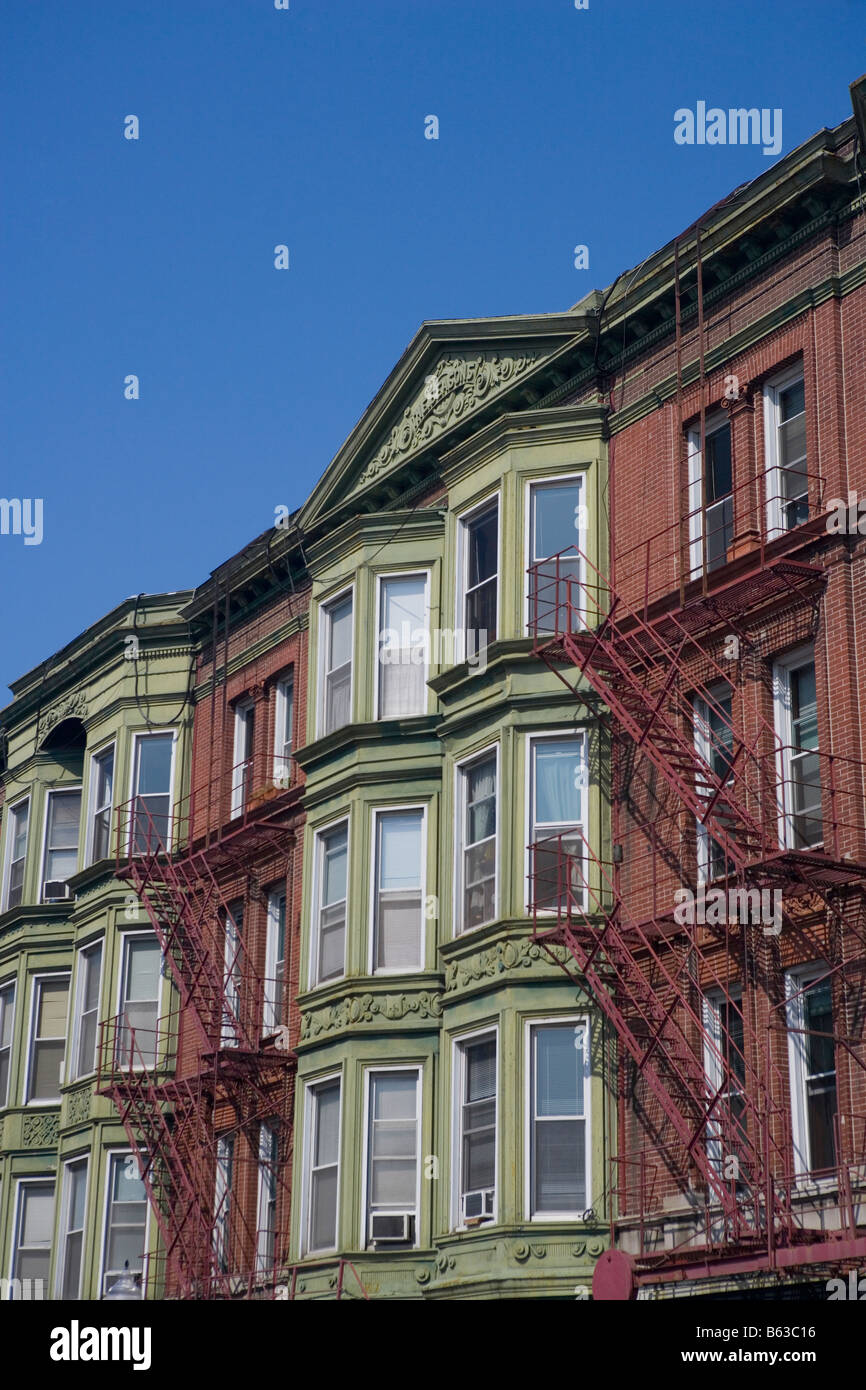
[[377, 1006]]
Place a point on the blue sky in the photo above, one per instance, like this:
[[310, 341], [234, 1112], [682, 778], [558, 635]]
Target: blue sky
[[305, 127]]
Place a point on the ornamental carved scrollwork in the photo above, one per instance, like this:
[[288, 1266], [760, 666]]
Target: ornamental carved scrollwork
[[505, 955], [369, 1008], [73, 707], [457, 387], [40, 1131], [78, 1106]]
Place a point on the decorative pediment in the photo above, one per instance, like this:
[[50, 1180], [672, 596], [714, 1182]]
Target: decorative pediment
[[73, 707], [457, 386]]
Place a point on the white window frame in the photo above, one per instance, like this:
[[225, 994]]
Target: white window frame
[[92, 809], [716, 420], [64, 1230], [324, 632], [233, 970], [76, 1073], [704, 749], [224, 1200], [458, 1087], [43, 859], [530, 1024], [797, 982], [263, 1198], [137, 738], [580, 480], [460, 768], [9, 984], [35, 982], [126, 938], [713, 1049], [310, 1087], [21, 1183], [284, 702], [371, 1070], [270, 1019], [317, 877], [559, 736], [244, 721], [110, 1155], [782, 667], [464, 520], [15, 807], [376, 813], [381, 581], [771, 391]]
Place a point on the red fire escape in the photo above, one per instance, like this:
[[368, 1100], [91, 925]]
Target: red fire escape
[[183, 1099]]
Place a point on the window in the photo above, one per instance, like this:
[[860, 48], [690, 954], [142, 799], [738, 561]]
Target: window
[[34, 1225], [714, 743], [87, 1009], [812, 1063], [101, 792], [477, 849], [267, 1198], [323, 1165], [152, 792], [232, 971], [7, 1016], [47, 1037], [480, 575], [60, 860], [336, 638], [402, 687], [284, 719], [476, 1128], [275, 968], [785, 445], [139, 1001], [725, 1067], [16, 851], [712, 486], [126, 1222], [801, 823], [242, 760], [556, 528], [392, 1158], [74, 1200], [223, 1199], [558, 1151], [398, 892], [556, 818], [330, 912]]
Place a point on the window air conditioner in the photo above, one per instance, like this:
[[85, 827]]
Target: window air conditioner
[[478, 1206]]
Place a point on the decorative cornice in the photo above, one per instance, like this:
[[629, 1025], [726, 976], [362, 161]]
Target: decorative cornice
[[458, 385], [510, 954], [369, 1008], [73, 707]]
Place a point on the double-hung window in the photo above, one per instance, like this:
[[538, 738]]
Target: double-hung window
[[275, 961], [556, 821], [725, 1067], [801, 824], [332, 853], [7, 1018], [34, 1227], [402, 689], [60, 860], [392, 1158], [87, 1009], [812, 1066], [323, 1165], [126, 1221], [242, 758], [476, 1130], [232, 971], [477, 848], [714, 744], [47, 1037], [398, 890], [151, 789], [558, 1149], [101, 792], [785, 448], [139, 1000], [480, 575], [336, 640], [223, 1200], [266, 1225], [556, 543], [72, 1221], [16, 852], [284, 723], [711, 502]]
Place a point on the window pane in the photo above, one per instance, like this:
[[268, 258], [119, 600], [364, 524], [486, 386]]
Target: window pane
[[334, 866], [327, 1124], [482, 547], [399, 850], [559, 1165], [142, 970], [555, 518], [718, 471], [51, 1011], [558, 771], [154, 764], [323, 1227], [340, 633], [47, 1062], [559, 1070]]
